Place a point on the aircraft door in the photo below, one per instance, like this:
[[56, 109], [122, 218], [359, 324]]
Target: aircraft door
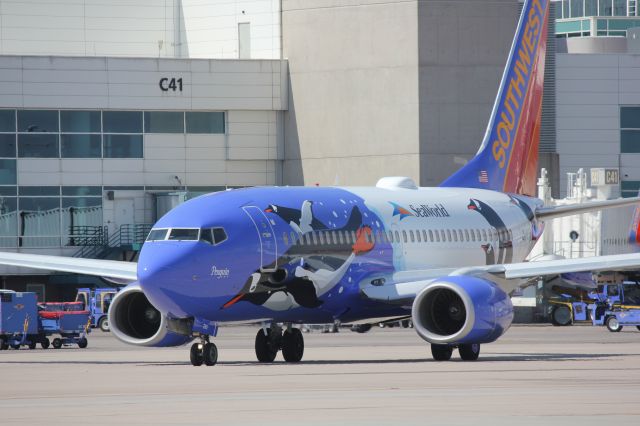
[[268, 243]]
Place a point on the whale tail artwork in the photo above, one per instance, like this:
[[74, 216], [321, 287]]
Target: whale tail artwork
[[507, 160]]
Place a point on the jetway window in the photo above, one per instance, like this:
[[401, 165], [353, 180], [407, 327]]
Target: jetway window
[[7, 120], [163, 122], [37, 121], [33, 145], [184, 234], [8, 145], [123, 146], [122, 121], [157, 235], [204, 122], [80, 122], [81, 146]]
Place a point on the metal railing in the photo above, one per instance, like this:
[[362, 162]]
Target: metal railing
[[127, 237]]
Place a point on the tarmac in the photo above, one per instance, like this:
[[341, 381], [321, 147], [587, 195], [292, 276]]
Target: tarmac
[[535, 374]]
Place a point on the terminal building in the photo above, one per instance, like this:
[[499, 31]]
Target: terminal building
[[113, 112]]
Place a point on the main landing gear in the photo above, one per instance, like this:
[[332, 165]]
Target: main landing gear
[[270, 340], [204, 352], [468, 352]]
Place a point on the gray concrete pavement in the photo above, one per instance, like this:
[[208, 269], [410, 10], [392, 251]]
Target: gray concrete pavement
[[533, 375]]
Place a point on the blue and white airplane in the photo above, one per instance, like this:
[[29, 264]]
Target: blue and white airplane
[[448, 257]]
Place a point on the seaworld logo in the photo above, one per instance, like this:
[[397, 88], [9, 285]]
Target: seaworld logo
[[422, 210]]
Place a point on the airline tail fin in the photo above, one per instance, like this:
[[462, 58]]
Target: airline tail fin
[[508, 157]]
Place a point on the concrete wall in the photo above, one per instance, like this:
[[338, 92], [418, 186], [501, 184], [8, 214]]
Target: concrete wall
[[353, 91], [390, 88], [463, 48], [590, 90], [149, 28]]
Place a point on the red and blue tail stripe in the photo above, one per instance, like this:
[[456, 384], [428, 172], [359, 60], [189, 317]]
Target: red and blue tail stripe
[[508, 157]]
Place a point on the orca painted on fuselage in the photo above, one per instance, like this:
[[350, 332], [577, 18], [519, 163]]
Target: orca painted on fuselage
[[505, 244], [305, 271]]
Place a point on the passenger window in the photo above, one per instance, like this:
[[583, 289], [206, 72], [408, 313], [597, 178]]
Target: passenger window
[[448, 235], [390, 237], [397, 236], [404, 236], [413, 238], [484, 235], [184, 234], [455, 236], [466, 235], [431, 235], [418, 236]]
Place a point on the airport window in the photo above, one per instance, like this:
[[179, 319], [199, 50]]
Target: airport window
[[7, 120], [39, 191], [620, 7], [606, 8], [163, 122], [159, 235], [8, 219], [80, 121], [37, 121], [576, 9], [81, 202], [81, 146], [184, 234], [122, 121], [82, 191], [590, 7], [33, 145], [205, 122], [8, 145], [7, 172], [630, 117], [122, 146]]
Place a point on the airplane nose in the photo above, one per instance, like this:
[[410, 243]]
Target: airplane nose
[[162, 268]]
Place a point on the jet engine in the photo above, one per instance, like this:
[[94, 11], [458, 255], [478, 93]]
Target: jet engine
[[134, 320], [461, 309]]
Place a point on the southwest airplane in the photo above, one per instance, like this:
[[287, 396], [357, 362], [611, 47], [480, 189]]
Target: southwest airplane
[[448, 257]]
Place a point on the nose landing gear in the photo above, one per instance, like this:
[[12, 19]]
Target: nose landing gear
[[270, 340], [203, 352]]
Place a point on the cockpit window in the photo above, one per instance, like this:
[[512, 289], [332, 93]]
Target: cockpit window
[[157, 234], [184, 234], [213, 235]]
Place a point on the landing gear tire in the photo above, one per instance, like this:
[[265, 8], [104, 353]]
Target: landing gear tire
[[613, 325], [210, 354], [45, 343], [292, 345], [469, 352], [441, 352], [266, 346], [196, 355], [561, 316], [57, 343], [104, 324]]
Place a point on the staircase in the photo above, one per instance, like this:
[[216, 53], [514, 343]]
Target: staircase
[[98, 244]]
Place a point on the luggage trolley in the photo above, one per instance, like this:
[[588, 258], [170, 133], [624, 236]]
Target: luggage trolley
[[69, 320], [19, 320]]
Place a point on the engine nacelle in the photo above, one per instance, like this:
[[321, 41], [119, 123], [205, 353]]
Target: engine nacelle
[[461, 309], [134, 320]]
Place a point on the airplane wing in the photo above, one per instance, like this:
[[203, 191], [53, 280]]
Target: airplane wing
[[408, 285], [103, 268], [552, 212]]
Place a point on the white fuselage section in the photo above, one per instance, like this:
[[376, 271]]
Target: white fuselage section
[[451, 227]]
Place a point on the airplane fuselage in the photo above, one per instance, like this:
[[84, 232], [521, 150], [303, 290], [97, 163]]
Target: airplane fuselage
[[302, 254]]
